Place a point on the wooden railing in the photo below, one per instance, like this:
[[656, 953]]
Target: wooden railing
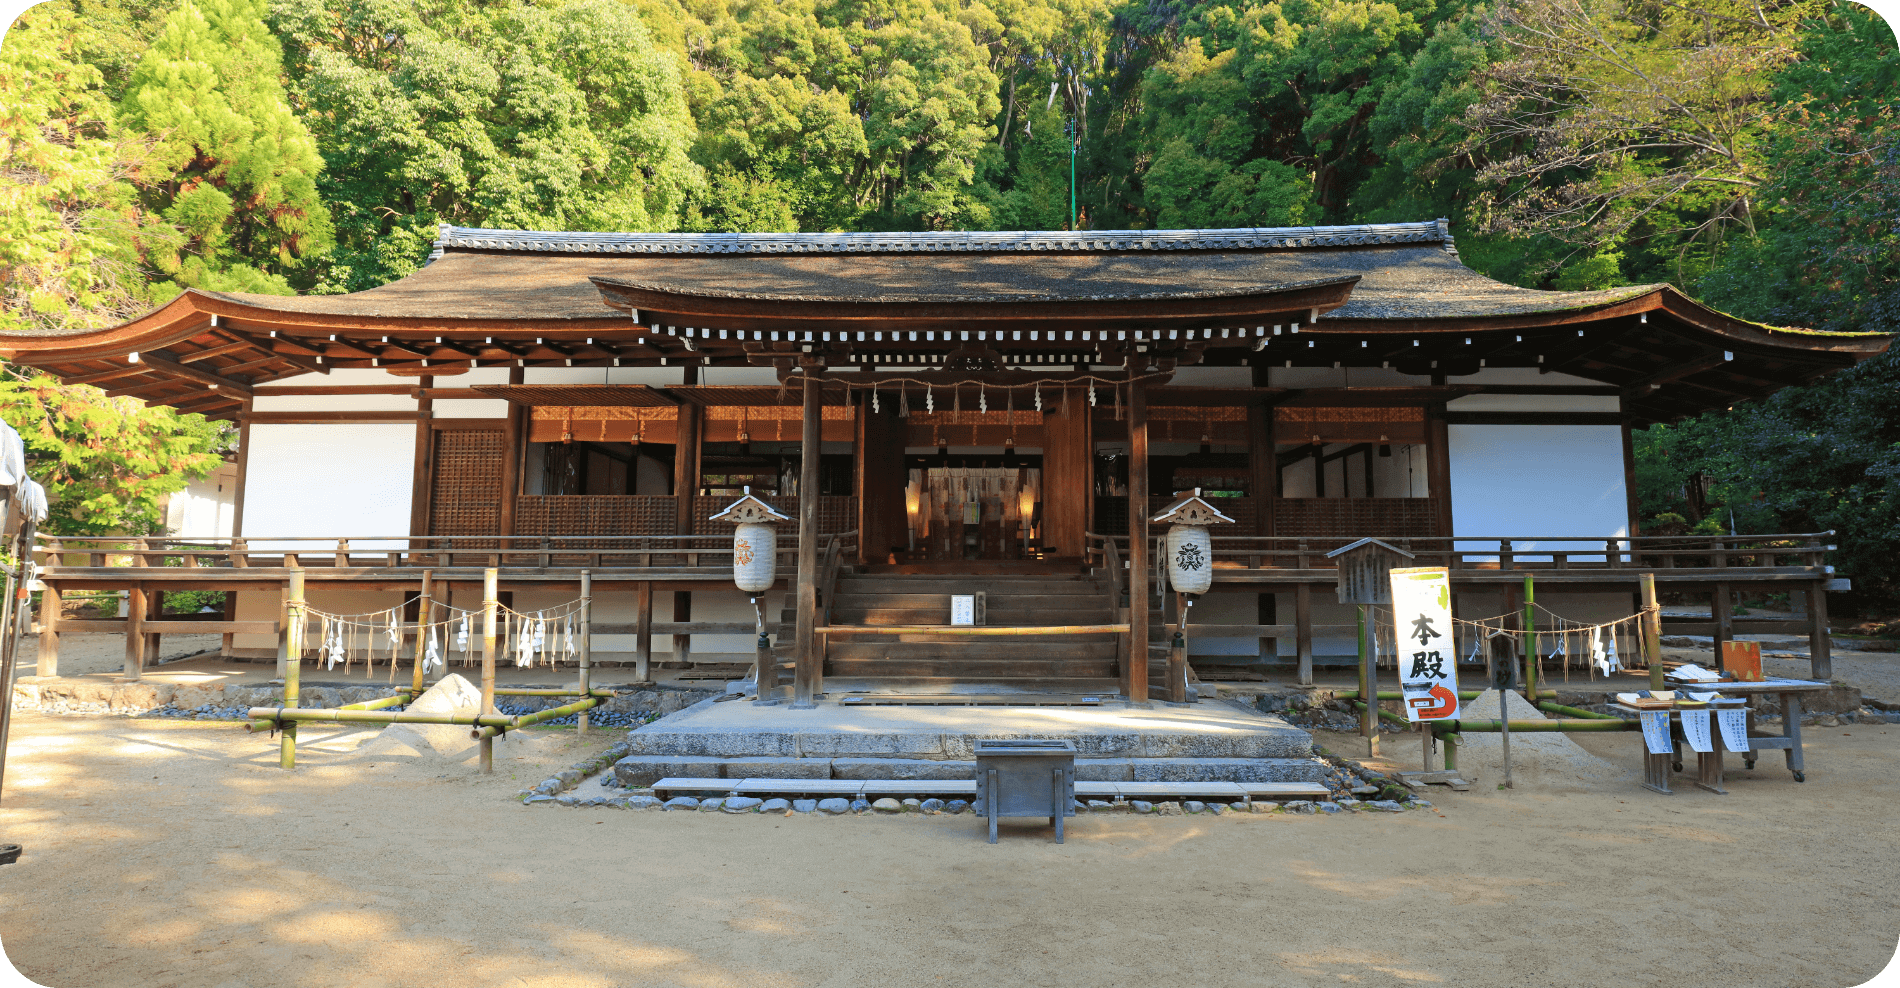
[[711, 551], [1795, 554]]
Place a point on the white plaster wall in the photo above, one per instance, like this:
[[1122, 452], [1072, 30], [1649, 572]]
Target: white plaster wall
[[329, 480], [1535, 403], [205, 507], [1520, 481]]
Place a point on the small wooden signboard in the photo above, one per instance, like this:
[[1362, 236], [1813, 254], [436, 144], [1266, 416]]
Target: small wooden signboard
[[1743, 660]]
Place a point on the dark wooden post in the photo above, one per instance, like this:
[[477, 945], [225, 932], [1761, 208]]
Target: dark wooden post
[[134, 633], [227, 647], [810, 445], [243, 469], [686, 470], [1438, 466], [1263, 463], [1722, 611], [48, 662], [511, 462], [1303, 630], [425, 450], [1136, 675], [643, 633], [682, 614], [1820, 655]]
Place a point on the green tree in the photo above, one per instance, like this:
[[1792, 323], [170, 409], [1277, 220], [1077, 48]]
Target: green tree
[[105, 462], [555, 116], [70, 224], [228, 164]]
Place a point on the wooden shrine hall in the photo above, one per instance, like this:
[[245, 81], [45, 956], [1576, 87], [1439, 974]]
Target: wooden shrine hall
[[938, 413]]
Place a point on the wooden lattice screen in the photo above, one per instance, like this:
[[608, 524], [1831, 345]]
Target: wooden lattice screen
[[465, 498], [1356, 517]]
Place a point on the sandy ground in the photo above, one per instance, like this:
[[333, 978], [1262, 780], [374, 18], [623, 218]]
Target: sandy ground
[[161, 854], [86, 654]]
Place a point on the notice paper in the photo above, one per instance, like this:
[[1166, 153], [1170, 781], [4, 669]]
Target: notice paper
[[1656, 732], [1734, 723], [1695, 728]]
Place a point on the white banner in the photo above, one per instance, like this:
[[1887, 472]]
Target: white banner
[[1428, 662]]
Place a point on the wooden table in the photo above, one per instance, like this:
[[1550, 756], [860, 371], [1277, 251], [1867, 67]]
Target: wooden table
[[1656, 768]]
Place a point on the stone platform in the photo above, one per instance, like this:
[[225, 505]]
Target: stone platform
[[1213, 740]]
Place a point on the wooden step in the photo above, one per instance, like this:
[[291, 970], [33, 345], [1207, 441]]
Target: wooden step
[[885, 617], [953, 650], [967, 669], [994, 600], [987, 584]]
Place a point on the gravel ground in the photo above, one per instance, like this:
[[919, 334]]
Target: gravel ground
[[178, 854]]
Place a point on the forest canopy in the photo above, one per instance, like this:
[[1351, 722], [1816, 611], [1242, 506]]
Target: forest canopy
[[1745, 151]]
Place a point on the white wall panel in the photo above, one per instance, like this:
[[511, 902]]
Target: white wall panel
[[1529, 480], [329, 480]]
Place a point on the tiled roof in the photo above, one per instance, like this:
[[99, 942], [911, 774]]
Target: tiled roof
[[1250, 238]]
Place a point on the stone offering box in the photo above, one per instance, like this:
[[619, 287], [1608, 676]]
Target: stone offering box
[[1025, 778]]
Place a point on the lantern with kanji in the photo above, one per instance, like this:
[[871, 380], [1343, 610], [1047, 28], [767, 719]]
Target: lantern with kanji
[[754, 542], [1190, 551]]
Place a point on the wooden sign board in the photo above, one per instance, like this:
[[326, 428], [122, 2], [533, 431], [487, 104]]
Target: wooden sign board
[[1743, 660]]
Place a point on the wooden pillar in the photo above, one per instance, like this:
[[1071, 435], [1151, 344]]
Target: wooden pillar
[[1652, 633], [1303, 630], [243, 469], [880, 480], [511, 451], [1438, 465], [1634, 504], [1820, 654], [686, 466], [48, 661], [1135, 686], [226, 648], [419, 483], [1068, 473], [1263, 465], [682, 613], [809, 660], [1267, 611], [643, 633], [134, 633], [1722, 610]]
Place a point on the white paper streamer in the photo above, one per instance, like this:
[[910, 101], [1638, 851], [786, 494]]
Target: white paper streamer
[[1656, 732], [1695, 729], [1734, 723]]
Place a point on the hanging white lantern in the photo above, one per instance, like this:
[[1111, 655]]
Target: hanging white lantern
[[1190, 551], [754, 542]]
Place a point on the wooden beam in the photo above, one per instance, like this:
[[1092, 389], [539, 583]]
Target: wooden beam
[[811, 439], [1135, 676], [217, 382], [333, 418], [1533, 418], [422, 468], [213, 351], [103, 376], [512, 450], [243, 470], [265, 344]]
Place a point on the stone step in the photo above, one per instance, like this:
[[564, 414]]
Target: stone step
[[976, 668], [660, 739], [640, 771]]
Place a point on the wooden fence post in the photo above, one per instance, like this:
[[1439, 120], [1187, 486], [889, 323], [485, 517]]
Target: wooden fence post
[[490, 579], [134, 633]]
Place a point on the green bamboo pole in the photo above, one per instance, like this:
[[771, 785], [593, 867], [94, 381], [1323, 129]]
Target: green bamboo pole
[[491, 577], [1558, 708], [388, 701], [425, 612], [1383, 714], [587, 638], [290, 655], [1450, 743], [487, 734], [1531, 659], [1550, 726], [1394, 695], [262, 717], [1652, 632]]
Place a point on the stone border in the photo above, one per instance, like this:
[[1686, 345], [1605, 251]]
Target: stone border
[[90, 698], [890, 806]]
